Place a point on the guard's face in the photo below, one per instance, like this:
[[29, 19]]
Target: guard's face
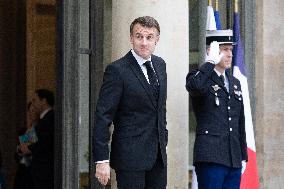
[[144, 40], [226, 61]]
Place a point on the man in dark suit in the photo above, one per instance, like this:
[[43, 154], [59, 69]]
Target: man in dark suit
[[220, 144], [133, 98], [42, 151]]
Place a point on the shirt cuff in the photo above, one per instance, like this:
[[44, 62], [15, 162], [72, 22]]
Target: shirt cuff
[[103, 161]]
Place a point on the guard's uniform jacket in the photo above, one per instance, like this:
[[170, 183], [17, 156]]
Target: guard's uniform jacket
[[220, 132]]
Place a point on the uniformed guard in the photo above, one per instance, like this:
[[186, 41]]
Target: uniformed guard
[[220, 145]]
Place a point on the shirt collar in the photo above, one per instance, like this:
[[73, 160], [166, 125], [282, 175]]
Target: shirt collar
[[139, 59], [44, 113], [218, 73]]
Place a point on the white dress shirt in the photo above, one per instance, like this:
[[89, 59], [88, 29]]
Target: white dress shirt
[[44, 113], [141, 62]]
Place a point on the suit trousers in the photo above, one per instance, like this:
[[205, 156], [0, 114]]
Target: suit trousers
[[42, 176], [217, 176], [155, 178]]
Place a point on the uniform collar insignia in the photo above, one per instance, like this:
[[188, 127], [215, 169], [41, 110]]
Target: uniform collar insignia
[[216, 87], [235, 86]]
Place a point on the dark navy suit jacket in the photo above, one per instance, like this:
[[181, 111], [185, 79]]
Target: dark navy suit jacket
[[220, 132], [126, 100], [42, 166]]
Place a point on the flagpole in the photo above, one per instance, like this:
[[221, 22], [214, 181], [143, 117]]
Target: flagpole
[[229, 12], [210, 2], [236, 6], [217, 5]]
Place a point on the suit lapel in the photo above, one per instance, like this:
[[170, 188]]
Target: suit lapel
[[140, 76], [159, 71]]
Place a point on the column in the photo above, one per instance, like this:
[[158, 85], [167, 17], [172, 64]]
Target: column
[[269, 92]]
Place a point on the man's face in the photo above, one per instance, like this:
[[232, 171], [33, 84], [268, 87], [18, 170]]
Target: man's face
[[226, 61], [144, 40], [32, 114], [37, 103]]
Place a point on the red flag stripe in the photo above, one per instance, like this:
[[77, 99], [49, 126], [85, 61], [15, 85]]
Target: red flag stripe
[[250, 176]]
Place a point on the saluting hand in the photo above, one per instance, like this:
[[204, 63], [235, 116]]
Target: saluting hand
[[214, 56], [103, 172]]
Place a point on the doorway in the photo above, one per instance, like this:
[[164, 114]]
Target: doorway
[[54, 45]]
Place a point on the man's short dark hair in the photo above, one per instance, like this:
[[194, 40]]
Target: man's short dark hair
[[45, 94], [145, 21]]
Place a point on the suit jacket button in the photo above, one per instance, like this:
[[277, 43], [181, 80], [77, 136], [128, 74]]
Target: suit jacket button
[[231, 129], [206, 132], [230, 118]]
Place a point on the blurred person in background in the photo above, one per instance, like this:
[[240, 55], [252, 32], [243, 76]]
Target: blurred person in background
[[23, 179]]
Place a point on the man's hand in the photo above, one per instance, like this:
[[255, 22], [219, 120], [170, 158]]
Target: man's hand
[[103, 172], [214, 56], [24, 148]]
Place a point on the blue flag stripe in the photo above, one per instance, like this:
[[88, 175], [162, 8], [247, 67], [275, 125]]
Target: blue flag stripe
[[238, 53], [217, 20]]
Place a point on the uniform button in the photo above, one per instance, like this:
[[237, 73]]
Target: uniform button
[[230, 118], [229, 107], [206, 132], [231, 129], [215, 94], [229, 97], [240, 98]]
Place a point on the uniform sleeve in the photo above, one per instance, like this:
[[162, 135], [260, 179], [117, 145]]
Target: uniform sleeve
[[106, 108], [242, 132], [197, 79]]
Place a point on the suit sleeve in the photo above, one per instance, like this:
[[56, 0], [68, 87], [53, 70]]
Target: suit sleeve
[[242, 132], [165, 111], [107, 104], [197, 79]]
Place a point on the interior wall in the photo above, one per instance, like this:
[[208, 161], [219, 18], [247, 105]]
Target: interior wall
[[41, 40]]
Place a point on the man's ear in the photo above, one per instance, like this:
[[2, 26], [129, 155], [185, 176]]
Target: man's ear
[[44, 101], [131, 39], [157, 40]]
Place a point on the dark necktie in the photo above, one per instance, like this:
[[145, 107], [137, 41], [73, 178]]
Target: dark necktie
[[222, 79], [223, 82], [153, 79]]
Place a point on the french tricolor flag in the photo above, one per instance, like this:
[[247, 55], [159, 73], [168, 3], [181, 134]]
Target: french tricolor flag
[[250, 175]]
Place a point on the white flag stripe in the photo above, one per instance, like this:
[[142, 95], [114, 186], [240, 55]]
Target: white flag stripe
[[210, 23], [247, 108]]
